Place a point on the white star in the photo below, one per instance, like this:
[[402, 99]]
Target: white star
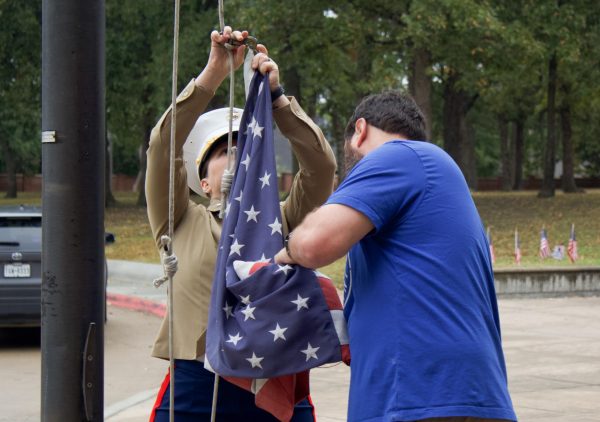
[[252, 214], [245, 299], [265, 180], [260, 87], [248, 312], [301, 302], [255, 360], [283, 268], [263, 258], [310, 352], [251, 126], [239, 198], [275, 227], [246, 162], [234, 339], [257, 131], [227, 208], [235, 248], [278, 333], [227, 310]]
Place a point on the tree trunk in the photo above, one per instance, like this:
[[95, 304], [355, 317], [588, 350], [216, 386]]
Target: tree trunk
[[505, 154], [11, 171], [419, 84], [568, 177], [109, 198], [518, 146], [456, 137], [547, 189]]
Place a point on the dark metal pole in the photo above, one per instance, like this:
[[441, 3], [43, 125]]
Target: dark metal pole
[[73, 123]]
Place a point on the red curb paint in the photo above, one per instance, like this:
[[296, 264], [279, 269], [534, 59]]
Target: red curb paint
[[136, 304]]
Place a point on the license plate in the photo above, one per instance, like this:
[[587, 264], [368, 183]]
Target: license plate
[[17, 270]]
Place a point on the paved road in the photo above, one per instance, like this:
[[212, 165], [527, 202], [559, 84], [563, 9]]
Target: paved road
[[130, 373], [552, 349]]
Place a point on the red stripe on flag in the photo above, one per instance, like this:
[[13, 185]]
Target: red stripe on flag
[[257, 266], [330, 293], [278, 396]]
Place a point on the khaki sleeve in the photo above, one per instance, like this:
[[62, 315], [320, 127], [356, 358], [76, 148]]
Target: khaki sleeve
[[190, 104], [314, 181]]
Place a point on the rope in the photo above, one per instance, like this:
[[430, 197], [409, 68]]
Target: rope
[[213, 412], [169, 260], [228, 174]]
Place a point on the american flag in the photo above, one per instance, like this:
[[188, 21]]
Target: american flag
[[572, 246], [268, 324], [544, 246], [517, 248], [492, 252]]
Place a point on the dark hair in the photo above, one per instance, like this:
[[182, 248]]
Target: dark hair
[[203, 169], [392, 112]]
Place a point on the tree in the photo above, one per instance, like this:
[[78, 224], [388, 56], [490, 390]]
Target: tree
[[461, 37], [20, 85], [565, 29], [139, 64], [513, 88]]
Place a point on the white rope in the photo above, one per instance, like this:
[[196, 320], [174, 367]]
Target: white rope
[[169, 262], [227, 174], [169, 259], [230, 163], [213, 411]]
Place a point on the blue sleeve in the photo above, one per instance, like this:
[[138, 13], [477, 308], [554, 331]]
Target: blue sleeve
[[386, 185]]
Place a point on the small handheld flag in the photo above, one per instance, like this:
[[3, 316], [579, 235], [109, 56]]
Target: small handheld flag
[[517, 248], [544, 245], [572, 246]]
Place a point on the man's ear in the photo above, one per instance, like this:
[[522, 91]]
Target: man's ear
[[360, 129], [205, 186]]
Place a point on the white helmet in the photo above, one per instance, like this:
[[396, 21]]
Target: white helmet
[[208, 128]]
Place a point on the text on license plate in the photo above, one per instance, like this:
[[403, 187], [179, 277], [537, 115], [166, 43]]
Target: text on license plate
[[18, 270]]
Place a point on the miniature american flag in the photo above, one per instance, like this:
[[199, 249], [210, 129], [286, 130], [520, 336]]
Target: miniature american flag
[[268, 324], [544, 246], [517, 249], [572, 246]]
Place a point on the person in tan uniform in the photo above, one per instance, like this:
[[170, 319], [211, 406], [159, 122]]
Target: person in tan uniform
[[197, 228]]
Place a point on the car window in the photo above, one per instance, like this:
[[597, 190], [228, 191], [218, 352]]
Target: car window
[[21, 230]]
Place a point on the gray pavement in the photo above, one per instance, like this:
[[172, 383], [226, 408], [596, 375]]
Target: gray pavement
[[552, 350]]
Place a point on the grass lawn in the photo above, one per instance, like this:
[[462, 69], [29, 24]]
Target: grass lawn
[[501, 212]]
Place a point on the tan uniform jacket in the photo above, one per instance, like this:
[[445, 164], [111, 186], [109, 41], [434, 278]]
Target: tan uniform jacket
[[198, 228]]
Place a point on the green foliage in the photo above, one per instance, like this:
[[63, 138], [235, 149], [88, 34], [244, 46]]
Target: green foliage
[[331, 54], [20, 84], [139, 61]]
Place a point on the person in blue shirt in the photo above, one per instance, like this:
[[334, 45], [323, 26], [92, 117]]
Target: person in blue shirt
[[419, 297]]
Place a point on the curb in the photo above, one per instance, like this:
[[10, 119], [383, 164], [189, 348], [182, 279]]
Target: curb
[[134, 303]]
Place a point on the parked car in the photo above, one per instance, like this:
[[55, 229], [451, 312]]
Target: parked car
[[21, 263]]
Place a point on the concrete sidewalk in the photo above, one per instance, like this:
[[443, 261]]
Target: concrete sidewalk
[[552, 350]]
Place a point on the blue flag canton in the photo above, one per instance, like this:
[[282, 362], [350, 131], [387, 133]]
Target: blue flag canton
[[276, 320], [253, 220]]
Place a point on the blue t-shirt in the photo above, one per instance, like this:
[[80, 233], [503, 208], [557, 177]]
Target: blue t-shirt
[[421, 305]]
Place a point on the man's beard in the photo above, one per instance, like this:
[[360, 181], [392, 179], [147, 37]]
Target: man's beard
[[351, 157]]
